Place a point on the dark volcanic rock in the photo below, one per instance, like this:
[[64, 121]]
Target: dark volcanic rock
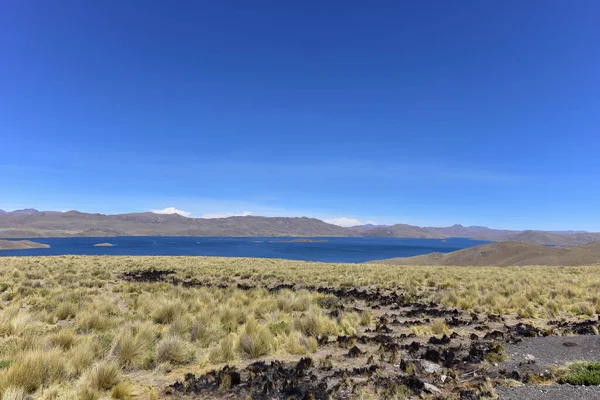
[[432, 355], [148, 275], [443, 340], [355, 352]]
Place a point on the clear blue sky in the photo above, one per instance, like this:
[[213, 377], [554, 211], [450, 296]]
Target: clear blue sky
[[423, 112]]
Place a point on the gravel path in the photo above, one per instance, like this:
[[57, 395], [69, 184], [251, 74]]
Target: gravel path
[[556, 350], [552, 392], [547, 352]]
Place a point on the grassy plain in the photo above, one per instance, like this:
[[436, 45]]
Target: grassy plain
[[76, 327]]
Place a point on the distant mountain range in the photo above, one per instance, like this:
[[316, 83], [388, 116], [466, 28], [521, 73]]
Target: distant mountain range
[[31, 223], [556, 238], [27, 211]]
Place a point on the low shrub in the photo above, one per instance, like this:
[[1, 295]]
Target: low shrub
[[582, 373]]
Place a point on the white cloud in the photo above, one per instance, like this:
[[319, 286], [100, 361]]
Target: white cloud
[[227, 215], [345, 221], [172, 210]]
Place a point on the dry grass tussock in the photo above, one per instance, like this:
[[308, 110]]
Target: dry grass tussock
[[72, 327]]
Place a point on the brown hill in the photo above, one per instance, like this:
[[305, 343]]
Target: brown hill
[[507, 254], [74, 223], [474, 232], [568, 238], [556, 239], [21, 245], [403, 231], [360, 229]]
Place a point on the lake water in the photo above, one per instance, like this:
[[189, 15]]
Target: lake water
[[353, 250]]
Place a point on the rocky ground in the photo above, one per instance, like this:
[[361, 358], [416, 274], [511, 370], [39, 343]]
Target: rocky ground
[[475, 358]]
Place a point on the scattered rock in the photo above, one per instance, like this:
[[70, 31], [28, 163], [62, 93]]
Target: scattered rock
[[428, 387], [527, 330], [443, 340], [529, 359], [355, 352], [432, 355], [515, 375], [228, 377], [413, 347], [431, 368]]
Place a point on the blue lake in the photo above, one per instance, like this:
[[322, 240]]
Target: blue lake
[[353, 250]]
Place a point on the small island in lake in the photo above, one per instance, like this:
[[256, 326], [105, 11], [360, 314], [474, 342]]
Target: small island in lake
[[300, 241], [21, 245], [103, 245]]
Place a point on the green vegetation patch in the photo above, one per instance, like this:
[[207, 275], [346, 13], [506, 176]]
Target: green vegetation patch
[[582, 373], [5, 363]]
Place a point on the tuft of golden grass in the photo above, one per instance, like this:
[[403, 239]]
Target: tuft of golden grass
[[88, 393], [174, 350], [65, 310], [315, 323], [256, 340], [366, 317], [439, 327], [122, 391], [82, 356], [33, 369], [64, 339], [102, 376], [14, 393], [299, 344], [165, 311], [130, 350], [224, 351], [421, 330]]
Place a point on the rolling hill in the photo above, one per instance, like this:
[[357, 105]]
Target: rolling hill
[[507, 254], [556, 239], [567, 238], [75, 223], [403, 231], [475, 232]]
